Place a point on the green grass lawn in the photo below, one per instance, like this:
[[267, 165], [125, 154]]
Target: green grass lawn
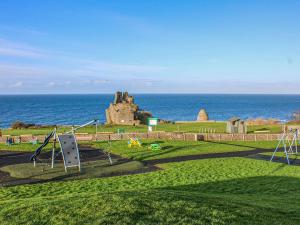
[[25, 147], [217, 127], [282, 154], [184, 127], [169, 148], [180, 148], [272, 129], [212, 191]]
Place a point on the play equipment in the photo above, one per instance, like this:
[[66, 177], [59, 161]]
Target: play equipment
[[68, 146], [155, 147], [134, 142], [289, 141]]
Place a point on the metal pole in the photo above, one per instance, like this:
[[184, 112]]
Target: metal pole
[[53, 149], [96, 131], [286, 154], [280, 140], [73, 132], [81, 126], [296, 141]]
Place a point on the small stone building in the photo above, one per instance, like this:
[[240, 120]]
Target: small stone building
[[296, 115], [123, 111], [236, 126], [202, 115]]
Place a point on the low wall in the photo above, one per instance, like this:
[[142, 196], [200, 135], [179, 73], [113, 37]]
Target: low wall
[[156, 135]]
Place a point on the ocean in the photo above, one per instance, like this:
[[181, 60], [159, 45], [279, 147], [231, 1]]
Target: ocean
[[78, 109]]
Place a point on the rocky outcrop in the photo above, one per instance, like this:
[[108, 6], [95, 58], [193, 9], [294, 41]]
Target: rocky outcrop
[[124, 111], [202, 115]]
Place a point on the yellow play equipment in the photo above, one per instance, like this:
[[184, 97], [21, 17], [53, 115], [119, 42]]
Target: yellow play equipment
[[134, 142]]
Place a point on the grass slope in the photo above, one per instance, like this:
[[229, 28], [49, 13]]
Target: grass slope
[[25, 147], [180, 148], [213, 191], [218, 127]]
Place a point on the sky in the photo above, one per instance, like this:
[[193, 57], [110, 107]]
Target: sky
[[85, 46]]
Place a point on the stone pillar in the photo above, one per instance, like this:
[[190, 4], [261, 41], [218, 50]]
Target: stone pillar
[[202, 115]]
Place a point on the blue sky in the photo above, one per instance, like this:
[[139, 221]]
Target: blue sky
[[150, 46]]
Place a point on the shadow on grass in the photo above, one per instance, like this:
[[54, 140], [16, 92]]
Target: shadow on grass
[[238, 145], [165, 150], [276, 159], [252, 200], [269, 185]]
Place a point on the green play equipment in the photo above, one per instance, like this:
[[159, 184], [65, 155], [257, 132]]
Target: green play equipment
[[155, 147]]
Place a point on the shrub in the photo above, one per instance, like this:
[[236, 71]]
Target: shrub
[[21, 125]]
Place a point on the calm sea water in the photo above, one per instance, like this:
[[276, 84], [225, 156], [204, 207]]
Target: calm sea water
[[77, 109]]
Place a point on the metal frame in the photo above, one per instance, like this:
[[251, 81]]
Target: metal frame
[[285, 140], [72, 131]]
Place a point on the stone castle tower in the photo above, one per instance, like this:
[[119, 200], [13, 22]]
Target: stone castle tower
[[124, 111]]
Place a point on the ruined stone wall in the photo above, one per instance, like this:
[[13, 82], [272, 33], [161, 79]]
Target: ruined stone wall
[[123, 111]]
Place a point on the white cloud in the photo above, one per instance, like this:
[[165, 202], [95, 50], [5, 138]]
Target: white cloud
[[51, 84], [98, 66], [17, 84], [9, 70], [8, 48], [101, 81], [21, 30]]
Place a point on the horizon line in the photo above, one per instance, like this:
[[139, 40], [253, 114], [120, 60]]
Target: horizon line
[[148, 93]]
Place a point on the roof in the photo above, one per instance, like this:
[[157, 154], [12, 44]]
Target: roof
[[235, 118]]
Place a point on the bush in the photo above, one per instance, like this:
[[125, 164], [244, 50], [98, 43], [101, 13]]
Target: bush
[[21, 125]]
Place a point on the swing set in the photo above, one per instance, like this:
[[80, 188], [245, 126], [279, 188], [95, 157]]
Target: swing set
[[289, 141]]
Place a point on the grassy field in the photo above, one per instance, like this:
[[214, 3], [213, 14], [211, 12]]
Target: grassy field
[[169, 148], [208, 191], [275, 129], [180, 148], [186, 127], [282, 155], [25, 147], [212, 191], [217, 127]]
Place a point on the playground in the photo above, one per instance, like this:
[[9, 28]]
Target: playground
[[150, 181]]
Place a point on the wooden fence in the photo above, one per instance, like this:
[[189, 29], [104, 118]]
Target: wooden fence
[[156, 135]]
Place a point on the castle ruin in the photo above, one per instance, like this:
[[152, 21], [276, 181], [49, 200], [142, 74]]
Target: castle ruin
[[123, 111]]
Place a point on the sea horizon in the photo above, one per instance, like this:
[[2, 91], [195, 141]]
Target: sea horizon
[[68, 109], [145, 93]]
